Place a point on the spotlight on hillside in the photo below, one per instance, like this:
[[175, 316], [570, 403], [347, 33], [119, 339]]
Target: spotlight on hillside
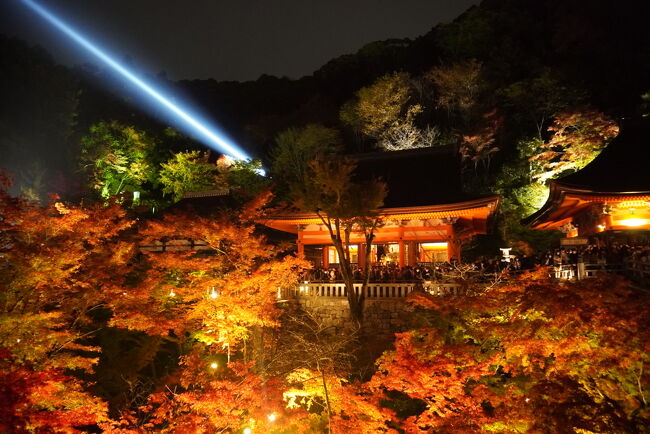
[[208, 134]]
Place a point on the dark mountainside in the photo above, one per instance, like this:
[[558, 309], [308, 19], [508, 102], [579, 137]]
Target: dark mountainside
[[602, 52], [597, 56]]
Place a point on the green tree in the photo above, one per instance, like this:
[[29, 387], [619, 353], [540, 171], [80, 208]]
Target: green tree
[[295, 148], [187, 171], [521, 195], [535, 100], [245, 178], [381, 106], [118, 159]]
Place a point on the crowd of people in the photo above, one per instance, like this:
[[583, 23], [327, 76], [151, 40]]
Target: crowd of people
[[572, 262], [564, 262], [392, 273]]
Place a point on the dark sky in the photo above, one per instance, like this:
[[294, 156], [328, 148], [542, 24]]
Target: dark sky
[[228, 40]]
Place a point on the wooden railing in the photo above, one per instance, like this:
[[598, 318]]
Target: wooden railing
[[639, 272], [179, 245], [635, 270], [373, 290]]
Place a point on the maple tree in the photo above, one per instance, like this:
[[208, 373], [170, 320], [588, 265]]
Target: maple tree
[[479, 147], [344, 206], [61, 264], [529, 356], [578, 137], [209, 303], [55, 262]]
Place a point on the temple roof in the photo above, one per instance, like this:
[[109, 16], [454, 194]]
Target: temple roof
[[416, 177], [621, 167], [619, 173]]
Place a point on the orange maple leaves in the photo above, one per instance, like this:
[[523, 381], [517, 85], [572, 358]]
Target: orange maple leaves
[[530, 355]]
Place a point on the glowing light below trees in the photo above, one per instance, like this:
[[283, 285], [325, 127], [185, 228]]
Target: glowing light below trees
[[209, 134]]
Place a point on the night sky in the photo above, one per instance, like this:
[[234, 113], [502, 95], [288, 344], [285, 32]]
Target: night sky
[[228, 40]]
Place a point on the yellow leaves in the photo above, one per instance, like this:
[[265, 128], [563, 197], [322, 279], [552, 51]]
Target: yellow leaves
[[308, 388], [381, 105], [61, 208]]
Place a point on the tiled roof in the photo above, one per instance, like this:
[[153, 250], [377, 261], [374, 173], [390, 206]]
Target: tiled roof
[[418, 177]]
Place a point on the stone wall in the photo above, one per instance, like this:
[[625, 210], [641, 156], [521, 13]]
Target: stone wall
[[383, 316]]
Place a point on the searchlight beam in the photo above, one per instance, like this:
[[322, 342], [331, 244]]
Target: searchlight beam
[[211, 136]]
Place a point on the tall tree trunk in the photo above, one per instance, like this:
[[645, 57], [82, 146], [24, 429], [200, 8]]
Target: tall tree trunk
[[354, 302], [327, 398]]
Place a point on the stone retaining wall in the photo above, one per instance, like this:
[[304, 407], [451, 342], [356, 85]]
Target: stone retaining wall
[[385, 316]]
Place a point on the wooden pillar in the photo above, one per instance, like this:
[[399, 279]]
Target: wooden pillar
[[402, 254], [453, 244], [412, 253], [361, 254], [301, 249], [453, 249], [326, 257]]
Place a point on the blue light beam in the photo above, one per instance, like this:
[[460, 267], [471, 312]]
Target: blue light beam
[[215, 139]]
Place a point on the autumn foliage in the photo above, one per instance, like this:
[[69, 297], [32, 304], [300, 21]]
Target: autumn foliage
[[577, 137], [49, 283], [531, 355]]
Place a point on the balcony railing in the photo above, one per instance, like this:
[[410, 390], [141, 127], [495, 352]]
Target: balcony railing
[[637, 271], [372, 291]]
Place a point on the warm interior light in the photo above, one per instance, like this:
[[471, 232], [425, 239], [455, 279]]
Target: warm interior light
[[633, 222], [214, 365], [434, 245]]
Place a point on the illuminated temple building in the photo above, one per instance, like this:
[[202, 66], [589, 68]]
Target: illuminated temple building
[[610, 196], [426, 217]]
